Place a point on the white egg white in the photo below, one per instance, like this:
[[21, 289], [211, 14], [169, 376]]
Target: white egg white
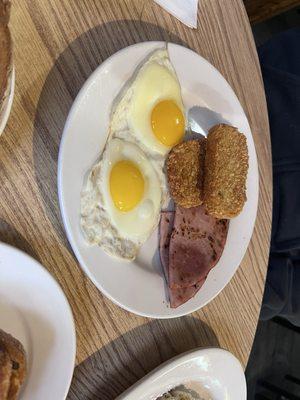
[[120, 234]]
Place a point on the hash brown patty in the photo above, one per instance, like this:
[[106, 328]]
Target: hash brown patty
[[185, 170], [226, 167]]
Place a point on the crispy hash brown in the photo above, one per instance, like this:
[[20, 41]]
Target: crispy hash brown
[[185, 170], [226, 167]]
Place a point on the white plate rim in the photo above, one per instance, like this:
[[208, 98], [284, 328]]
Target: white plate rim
[[60, 186], [38, 266], [176, 362]]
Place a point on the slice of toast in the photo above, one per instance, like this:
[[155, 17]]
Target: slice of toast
[[5, 373], [16, 353]]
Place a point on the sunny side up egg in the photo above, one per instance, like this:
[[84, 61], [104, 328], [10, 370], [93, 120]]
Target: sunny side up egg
[[149, 110], [125, 191], [121, 203]]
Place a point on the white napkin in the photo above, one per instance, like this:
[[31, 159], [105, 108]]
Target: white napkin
[[184, 10]]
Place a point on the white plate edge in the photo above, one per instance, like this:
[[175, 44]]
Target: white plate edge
[[60, 190], [68, 307]]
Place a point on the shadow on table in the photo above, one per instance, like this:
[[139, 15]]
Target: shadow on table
[[121, 363], [11, 236], [70, 71]]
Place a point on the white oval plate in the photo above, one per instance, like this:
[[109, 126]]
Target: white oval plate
[[139, 286], [216, 371], [34, 309]]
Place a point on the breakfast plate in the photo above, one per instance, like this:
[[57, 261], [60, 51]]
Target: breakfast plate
[[34, 309], [139, 286], [213, 374]]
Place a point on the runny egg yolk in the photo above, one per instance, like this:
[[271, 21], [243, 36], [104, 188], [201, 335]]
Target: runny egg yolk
[[126, 185], [167, 122]]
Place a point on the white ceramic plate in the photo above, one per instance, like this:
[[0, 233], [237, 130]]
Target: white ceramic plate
[[34, 309], [215, 371], [139, 286]]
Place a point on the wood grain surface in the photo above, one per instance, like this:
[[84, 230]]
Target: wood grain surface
[[260, 10], [57, 44]]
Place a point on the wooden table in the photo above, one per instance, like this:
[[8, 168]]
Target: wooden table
[[58, 43]]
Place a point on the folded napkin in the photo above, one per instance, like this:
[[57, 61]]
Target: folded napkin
[[184, 10]]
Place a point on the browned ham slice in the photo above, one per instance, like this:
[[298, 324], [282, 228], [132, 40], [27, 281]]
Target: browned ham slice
[[177, 296], [196, 244], [181, 296], [165, 230]]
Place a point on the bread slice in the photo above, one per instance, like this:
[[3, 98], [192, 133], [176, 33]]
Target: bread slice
[[16, 353], [5, 373], [185, 169], [226, 168]]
